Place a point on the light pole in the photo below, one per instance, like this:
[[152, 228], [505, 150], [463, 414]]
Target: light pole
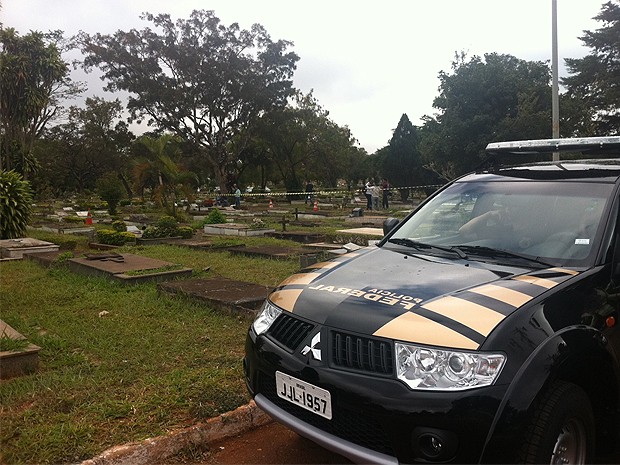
[[555, 106]]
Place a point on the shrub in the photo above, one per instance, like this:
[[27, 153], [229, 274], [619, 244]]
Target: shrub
[[186, 232], [168, 226], [112, 237], [215, 217], [119, 226], [15, 204]]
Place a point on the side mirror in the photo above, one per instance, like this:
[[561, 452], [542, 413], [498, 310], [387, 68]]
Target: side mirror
[[389, 224]]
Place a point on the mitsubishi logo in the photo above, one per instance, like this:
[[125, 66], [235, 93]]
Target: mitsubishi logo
[[316, 353]]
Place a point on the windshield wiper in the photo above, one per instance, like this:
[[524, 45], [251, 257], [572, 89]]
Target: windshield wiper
[[491, 252], [423, 246]]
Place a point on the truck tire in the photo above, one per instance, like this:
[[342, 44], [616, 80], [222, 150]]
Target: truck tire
[[562, 428]]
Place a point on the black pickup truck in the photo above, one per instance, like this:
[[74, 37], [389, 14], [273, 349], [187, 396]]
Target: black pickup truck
[[483, 328]]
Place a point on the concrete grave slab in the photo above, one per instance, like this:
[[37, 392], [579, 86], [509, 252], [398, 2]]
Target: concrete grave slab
[[363, 231], [20, 362], [221, 293], [114, 265], [16, 248]]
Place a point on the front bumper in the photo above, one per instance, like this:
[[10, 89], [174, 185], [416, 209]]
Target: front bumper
[[376, 419]]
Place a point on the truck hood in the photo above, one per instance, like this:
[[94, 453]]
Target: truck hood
[[415, 298]]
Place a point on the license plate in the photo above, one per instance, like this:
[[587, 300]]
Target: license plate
[[305, 395]]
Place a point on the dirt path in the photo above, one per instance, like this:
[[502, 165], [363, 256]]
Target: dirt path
[[269, 444]]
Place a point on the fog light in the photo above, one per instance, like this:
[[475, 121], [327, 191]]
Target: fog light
[[431, 446], [434, 445]]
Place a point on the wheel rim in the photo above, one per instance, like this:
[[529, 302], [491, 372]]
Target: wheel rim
[[571, 443]]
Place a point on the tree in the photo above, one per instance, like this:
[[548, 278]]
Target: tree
[[110, 189], [34, 78], [402, 161], [496, 98], [303, 143], [93, 141], [594, 82], [158, 170], [198, 79]]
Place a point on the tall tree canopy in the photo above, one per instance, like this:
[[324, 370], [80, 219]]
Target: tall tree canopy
[[496, 98], [33, 76], [595, 78], [196, 78], [93, 140]]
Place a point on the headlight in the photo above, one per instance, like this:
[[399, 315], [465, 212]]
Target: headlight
[[266, 317], [445, 370]]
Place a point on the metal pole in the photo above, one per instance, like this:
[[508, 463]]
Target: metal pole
[[555, 106]]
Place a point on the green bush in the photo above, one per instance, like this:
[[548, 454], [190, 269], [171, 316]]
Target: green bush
[[215, 217], [119, 226], [15, 204], [112, 237], [73, 219], [186, 232]]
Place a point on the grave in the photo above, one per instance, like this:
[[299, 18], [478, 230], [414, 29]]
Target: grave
[[275, 252], [363, 231], [20, 362], [16, 248], [127, 268], [220, 293], [234, 229]]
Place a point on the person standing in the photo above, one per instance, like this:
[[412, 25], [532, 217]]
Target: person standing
[[368, 193], [237, 196], [309, 192], [376, 193], [385, 188]]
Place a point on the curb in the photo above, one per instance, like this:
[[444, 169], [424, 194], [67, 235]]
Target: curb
[[154, 450]]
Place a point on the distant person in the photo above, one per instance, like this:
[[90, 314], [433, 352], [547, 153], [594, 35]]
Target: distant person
[[376, 193], [368, 193], [385, 188], [237, 196], [309, 191]]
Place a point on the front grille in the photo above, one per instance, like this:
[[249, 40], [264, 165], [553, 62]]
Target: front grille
[[350, 425], [289, 331], [357, 353]]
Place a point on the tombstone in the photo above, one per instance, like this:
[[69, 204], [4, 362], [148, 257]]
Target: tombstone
[[357, 212]]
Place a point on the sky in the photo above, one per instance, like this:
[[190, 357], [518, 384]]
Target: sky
[[366, 62]]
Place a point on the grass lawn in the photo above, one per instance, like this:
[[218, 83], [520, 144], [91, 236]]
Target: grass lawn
[[152, 364]]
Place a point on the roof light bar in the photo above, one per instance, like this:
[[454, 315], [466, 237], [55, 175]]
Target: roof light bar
[[555, 145]]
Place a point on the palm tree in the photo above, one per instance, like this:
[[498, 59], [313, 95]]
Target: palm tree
[[158, 170]]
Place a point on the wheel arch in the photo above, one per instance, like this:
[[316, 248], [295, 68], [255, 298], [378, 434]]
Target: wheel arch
[[577, 355]]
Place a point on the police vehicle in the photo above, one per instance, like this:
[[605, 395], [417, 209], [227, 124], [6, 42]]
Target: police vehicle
[[483, 328]]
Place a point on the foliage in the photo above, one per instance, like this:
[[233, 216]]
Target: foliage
[[166, 226], [257, 223], [186, 232], [402, 162], [93, 141], [119, 226], [593, 86], [157, 169], [110, 189], [302, 143], [113, 237], [196, 78], [215, 217], [34, 77], [496, 98], [8, 344], [15, 205]]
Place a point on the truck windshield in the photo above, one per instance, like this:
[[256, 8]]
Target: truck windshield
[[557, 222]]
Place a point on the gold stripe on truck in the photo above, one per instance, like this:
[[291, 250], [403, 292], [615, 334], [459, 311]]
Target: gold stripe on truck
[[477, 317], [547, 283], [503, 294], [300, 278], [410, 327], [285, 298]]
